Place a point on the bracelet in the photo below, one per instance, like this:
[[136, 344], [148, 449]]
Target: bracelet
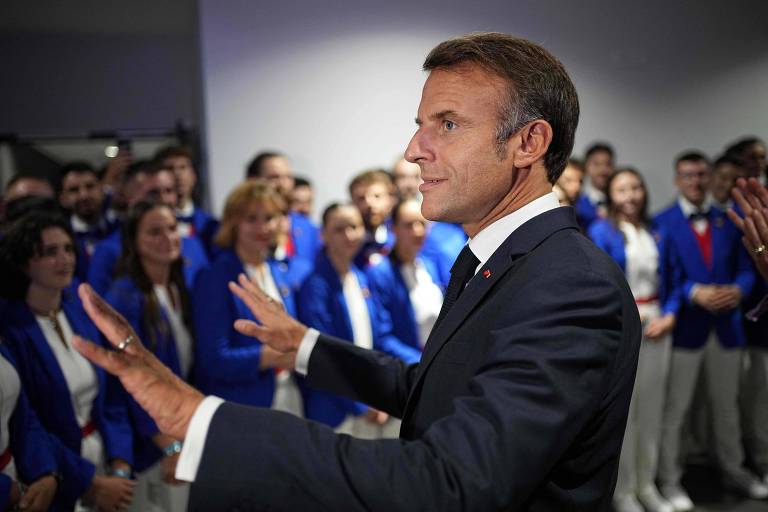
[[122, 473], [172, 449]]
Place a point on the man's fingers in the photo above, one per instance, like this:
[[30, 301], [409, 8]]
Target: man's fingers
[[738, 193], [753, 237], [250, 328], [735, 218], [759, 191], [108, 359], [114, 327], [760, 219]]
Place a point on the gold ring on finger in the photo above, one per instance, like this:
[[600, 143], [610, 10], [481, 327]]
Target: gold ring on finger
[[759, 249]]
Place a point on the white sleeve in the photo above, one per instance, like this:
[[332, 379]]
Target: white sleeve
[[305, 350], [194, 442]]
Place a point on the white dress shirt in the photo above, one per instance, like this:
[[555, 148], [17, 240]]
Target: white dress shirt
[[483, 245], [181, 335]]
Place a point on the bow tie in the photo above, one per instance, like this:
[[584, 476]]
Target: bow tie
[[698, 215]]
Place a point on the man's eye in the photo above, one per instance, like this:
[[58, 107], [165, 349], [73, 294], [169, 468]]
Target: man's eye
[[449, 125]]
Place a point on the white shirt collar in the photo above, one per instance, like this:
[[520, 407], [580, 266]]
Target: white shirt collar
[[187, 210], [594, 195], [485, 243], [689, 208]]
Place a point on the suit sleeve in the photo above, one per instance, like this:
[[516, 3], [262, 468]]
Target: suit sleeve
[[543, 386]]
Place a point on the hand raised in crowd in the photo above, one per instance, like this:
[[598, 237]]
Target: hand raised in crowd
[[170, 401], [110, 493], [660, 326], [277, 329], [752, 199]]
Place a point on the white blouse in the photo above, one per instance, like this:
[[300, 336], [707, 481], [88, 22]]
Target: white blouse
[[426, 297], [81, 380], [287, 397], [358, 311], [642, 266], [10, 388], [181, 335]]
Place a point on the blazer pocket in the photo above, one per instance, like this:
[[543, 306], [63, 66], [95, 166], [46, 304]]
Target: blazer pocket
[[454, 352]]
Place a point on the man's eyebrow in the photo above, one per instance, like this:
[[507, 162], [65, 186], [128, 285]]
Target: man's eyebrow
[[442, 115]]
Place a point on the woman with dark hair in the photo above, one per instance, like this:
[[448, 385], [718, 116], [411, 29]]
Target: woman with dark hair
[[151, 294], [237, 367], [406, 285], [626, 236], [76, 402]]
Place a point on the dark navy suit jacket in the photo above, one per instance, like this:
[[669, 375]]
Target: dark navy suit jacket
[[519, 401], [227, 362], [28, 441], [730, 265], [49, 396]]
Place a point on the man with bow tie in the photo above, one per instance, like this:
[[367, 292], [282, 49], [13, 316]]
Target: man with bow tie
[[711, 271]]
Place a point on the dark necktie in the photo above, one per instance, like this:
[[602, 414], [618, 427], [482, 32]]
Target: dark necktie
[[461, 272]]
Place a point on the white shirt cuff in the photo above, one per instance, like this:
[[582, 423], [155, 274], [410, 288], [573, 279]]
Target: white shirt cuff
[[194, 442], [305, 350]]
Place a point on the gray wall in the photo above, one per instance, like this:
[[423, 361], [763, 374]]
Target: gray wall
[[72, 67], [336, 84]]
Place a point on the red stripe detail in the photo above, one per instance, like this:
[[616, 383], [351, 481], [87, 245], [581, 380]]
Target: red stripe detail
[[5, 458], [647, 300], [88, 429]]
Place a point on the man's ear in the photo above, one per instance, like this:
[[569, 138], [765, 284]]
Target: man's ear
[[534, 138]]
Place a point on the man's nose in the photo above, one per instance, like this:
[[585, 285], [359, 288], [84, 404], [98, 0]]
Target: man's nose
[[418, 148]]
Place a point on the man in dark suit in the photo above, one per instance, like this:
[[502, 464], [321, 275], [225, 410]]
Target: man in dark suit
[[520, 399]]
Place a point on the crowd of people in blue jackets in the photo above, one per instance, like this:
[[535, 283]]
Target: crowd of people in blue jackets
[[373, 272]]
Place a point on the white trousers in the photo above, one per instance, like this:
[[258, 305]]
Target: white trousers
[[754, 402], [722, 367], [152, 494], [640, 449]]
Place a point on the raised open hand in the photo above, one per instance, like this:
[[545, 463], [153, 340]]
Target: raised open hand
[[170, 401], [275, 328]]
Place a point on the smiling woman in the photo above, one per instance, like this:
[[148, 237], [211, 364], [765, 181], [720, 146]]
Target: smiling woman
[[74, 400]]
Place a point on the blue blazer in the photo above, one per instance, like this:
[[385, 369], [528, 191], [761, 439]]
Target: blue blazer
[[683, 259], [49, 396], [28, 441], [586, 212], [442, 246], [205, 226], [128, 300], [101, 272], [305, 236], [393, 299], [228, 362], [609, 238], [322, 306], [371, 247]]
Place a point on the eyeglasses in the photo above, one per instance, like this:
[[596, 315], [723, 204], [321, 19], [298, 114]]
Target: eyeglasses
[[690, 176]]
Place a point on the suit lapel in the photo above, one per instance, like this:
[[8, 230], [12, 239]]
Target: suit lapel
[[517, 244], [689, 245]]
